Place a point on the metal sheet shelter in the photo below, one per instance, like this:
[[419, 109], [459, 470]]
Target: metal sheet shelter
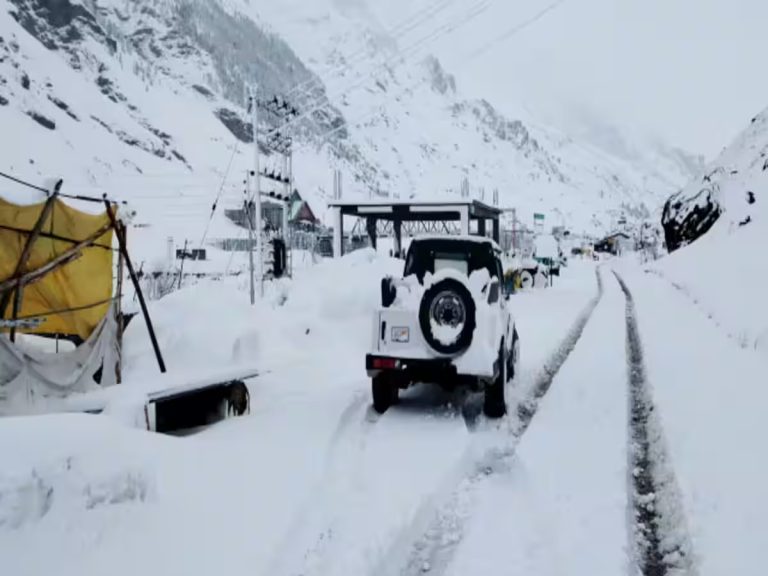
[[465, 212]]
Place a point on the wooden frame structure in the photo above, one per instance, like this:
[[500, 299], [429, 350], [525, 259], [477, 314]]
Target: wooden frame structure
[[13, 288], [447, 217]]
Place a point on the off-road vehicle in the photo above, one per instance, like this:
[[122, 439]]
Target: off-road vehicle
[[445, 322]]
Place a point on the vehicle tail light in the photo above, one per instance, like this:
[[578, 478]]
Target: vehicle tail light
[[385, 364]]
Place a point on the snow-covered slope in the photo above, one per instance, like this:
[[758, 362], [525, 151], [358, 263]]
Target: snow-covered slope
[[726, 271], [146, 100]]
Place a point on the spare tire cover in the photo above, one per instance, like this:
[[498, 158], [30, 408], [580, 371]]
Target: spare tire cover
[[447, 316], [526, 279]]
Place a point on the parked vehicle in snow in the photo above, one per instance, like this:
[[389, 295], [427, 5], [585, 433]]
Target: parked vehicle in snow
[[446, 322], [547, 253]]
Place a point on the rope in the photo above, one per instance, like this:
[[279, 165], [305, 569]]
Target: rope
[[55, 237], [62, 195], [68, 310], [23, 183], [232, 255]]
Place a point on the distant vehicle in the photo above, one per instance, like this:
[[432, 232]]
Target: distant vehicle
[[547, 253], [445, 322]]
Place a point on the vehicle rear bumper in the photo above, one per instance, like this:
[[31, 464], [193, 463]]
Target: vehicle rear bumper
[[408, 371]]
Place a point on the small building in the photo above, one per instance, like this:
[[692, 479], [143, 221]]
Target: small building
[[617, 244], [197, 254], [300, 214]]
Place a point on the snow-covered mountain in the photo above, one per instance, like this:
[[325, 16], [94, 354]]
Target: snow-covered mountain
[[147, 100], [665, 162]]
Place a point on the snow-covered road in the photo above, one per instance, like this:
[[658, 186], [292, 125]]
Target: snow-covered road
[[314, 483], [567, 481], [711, 397]]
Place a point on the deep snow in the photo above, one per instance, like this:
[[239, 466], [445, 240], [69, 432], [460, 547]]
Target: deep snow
[[310, 481], [567, 482], [710, 395], [314, 482], [724, 273]]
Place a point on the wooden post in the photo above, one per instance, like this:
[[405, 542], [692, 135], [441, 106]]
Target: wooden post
[[25, 253], [136, 286], [371, 225], [183, 257], [119, 309], [481, 227], [397, 227], [62, 259]]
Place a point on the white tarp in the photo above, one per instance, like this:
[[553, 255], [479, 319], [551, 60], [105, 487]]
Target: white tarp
[[30, 380]]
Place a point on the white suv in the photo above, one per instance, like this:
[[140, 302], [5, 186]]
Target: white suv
[[446, 322]]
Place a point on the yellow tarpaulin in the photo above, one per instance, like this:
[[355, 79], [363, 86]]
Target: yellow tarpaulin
[[83, 285]]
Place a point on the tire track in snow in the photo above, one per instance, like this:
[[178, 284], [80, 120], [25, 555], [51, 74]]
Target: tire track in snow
[[658, 528], [527, 410], [309, 527], [430, 542], [741, 340]]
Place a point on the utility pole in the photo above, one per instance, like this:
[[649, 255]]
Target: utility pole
[[249, 209], [287, 216], [514, 231], [256, 198], [281, 113], [181, 270]]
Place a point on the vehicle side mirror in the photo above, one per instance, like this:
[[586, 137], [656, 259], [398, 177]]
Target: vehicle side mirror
[[388, 292], [493, 292]]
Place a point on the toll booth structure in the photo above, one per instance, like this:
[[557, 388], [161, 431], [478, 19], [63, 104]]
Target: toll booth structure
[[471, 216]]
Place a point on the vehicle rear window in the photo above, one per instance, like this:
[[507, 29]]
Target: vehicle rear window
[[451, 261], [435, 255]]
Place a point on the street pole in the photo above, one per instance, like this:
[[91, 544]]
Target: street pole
[[514, 231], [289, 180], [257, 187], [287, 216], [249, 216]]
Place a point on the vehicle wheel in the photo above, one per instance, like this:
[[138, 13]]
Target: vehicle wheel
[[385, 392], [447, 316], [238, 399], [494, 405], [514, 356]]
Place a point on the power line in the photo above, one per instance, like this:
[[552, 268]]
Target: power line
[[232, 255], [405, 26], [476, 10], [401, 56], [221, 190], [469, 58], [517, 28]]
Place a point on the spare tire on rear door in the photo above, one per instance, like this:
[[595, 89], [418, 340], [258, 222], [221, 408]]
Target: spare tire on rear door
[[447, 316]]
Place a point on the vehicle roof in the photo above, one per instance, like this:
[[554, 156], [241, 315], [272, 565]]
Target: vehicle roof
[[458, 238]]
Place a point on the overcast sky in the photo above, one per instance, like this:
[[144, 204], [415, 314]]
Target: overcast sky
[[691, 71]]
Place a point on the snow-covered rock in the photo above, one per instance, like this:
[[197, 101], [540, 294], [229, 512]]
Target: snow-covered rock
[[725, 271], [685, 219]]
